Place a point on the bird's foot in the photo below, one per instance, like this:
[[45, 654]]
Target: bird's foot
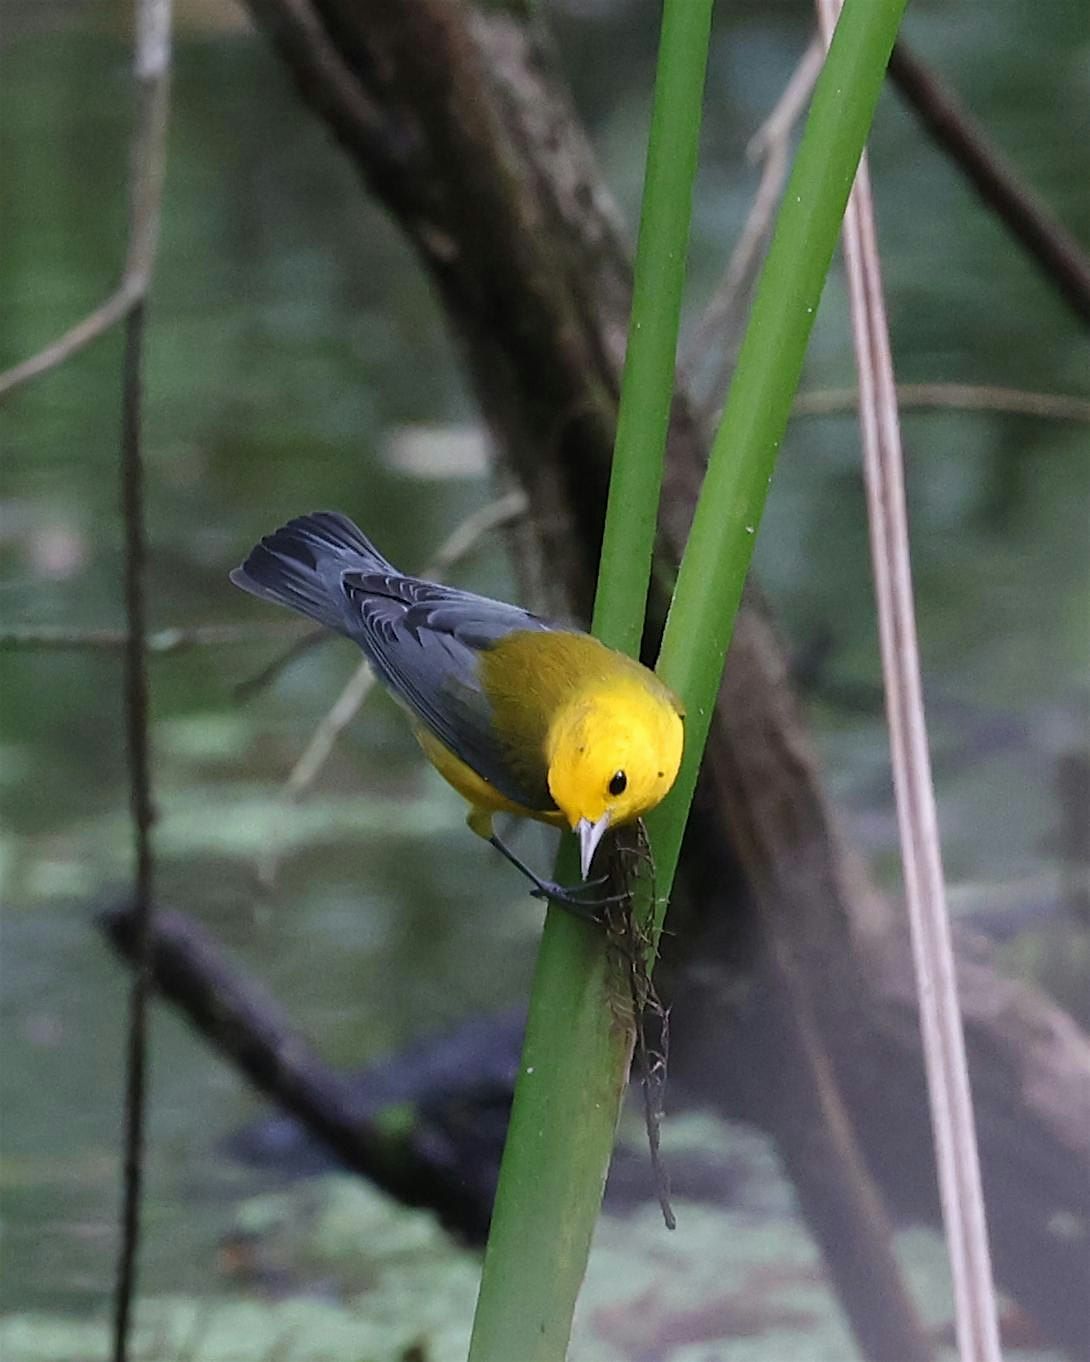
[[575, 900]]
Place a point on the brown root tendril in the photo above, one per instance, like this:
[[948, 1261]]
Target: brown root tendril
[[632, 948]]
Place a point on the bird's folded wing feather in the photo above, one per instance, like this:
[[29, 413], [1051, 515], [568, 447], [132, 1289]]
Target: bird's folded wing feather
[[424, 640]]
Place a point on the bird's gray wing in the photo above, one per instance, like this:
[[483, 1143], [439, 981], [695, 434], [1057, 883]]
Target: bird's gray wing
[[424, 641]]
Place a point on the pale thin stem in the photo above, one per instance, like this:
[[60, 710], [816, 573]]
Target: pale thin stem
[[952, 397], [940, 1015], [466, 536], [107, 315], [149, 165], [347, 706], [777, 128]]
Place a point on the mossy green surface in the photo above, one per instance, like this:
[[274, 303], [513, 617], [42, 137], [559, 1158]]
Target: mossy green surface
[[334, 1270]]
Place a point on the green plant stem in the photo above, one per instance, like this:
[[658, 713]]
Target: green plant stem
[[724, 530], [647, 386], [577, 1049]]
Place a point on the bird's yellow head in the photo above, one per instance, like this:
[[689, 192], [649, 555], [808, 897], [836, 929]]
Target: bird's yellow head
[[613, 755]]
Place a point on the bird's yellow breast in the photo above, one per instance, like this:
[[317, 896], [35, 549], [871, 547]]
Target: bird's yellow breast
[[480, 793], [567, 712]]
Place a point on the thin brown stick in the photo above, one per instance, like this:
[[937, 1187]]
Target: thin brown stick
[[462, 540], [119, 304], [953, 1125], [136, 733], [952, 397], [152, 80], [334, 722], [1023, 213]]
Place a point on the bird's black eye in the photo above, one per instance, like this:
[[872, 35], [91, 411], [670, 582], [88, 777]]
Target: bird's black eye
[[618, 784]]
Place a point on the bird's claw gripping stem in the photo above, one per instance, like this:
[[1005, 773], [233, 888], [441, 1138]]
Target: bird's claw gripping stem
[[574, 899]]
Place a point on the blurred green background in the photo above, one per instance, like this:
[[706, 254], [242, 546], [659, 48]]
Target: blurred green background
[[297, 360]]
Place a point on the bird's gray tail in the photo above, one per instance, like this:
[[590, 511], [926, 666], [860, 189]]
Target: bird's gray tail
[[302, 565]]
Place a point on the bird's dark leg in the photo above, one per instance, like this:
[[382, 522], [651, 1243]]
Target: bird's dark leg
[[582, 906]]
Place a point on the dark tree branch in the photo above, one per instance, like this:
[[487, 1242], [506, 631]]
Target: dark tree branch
[[136, 733], [247, 1029], [1029, 220], [151, 71]]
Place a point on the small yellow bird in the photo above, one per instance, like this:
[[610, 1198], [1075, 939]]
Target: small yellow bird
[[521, 716]]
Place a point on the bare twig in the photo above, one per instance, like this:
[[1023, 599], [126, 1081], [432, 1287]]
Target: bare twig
[[136, 732], [271, 670], [952, 397], [162, 643], [719, 324], [461, 541], [940, 1014], [336, 720], [1023, 213], [152, 80], [132, 289], [119, 304], [464, 538]]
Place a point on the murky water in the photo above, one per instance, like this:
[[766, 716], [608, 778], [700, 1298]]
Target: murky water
[[292, 339]]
